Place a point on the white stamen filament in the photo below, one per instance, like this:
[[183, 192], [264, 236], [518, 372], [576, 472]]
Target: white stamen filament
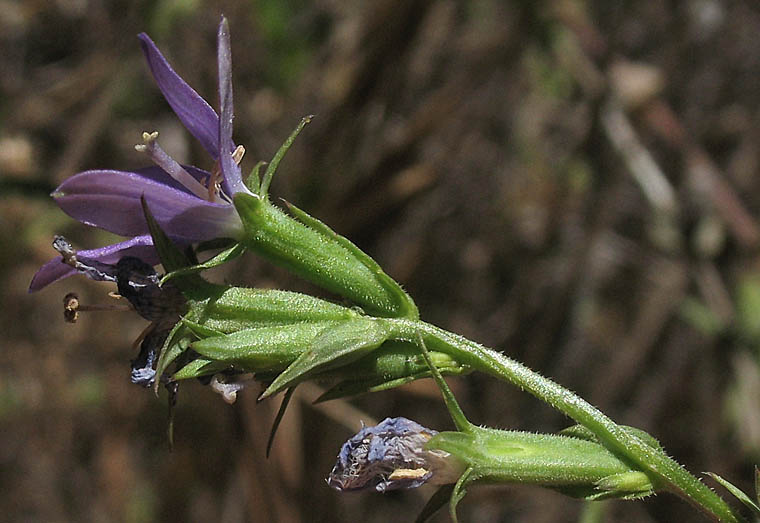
[[215, 178], [72, 307], [167, 163], [214, 182]]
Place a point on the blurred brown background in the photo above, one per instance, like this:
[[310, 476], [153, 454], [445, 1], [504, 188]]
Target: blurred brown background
[[574, 183]]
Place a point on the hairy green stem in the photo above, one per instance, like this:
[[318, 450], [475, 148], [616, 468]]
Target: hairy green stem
[[662, 469]]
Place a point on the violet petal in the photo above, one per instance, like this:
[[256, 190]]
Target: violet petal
[[54, 270], [111, 200], [195, 113], [233, 180]]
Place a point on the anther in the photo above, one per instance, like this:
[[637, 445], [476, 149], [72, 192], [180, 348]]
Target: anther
[[237, 154], [214, 182], [72, 307]]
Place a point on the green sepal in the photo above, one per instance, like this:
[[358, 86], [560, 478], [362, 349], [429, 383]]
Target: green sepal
[[349, 388], [171, 400], [459, 492], [633, 484], [174, 346], [198, 368], [321, 259], [278, 418], [436, 502], [581, 432], [253, 181], [593, 494], [200, 330], [455, 411], [394, 364], [225, 256], [279, 155], [215, 244], [262, 349], [737, 493], [172, 258], [338, 345]]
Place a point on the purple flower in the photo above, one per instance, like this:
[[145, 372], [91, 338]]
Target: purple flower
[[389, 456], [190, 204]]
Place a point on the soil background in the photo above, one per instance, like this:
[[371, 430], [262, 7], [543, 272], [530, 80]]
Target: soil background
[[574, 183]]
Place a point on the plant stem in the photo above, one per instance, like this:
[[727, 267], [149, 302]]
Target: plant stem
[[662, 469]]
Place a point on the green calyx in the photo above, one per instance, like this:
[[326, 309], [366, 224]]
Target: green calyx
[[311, 250], [575, 466]]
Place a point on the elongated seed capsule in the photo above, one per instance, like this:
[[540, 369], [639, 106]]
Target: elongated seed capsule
[[238, 308], [394, 364], [262, 349], [574, 466], [316, 253]]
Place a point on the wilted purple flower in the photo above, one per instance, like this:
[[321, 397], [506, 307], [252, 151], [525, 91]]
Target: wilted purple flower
[[190, 204], [138, 283], [390, 456]]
